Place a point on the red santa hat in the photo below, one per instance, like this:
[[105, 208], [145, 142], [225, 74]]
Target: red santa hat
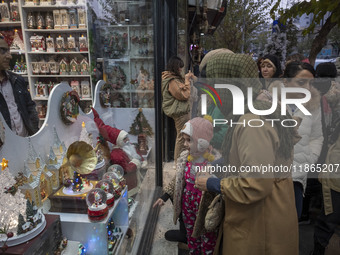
[[111, 134], [201, 131]]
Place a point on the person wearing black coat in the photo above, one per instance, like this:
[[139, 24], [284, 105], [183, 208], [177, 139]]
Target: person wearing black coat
[[15, 98]]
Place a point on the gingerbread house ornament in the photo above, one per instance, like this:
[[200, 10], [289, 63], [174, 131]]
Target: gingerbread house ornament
[[74, 67], [84, 67], [63, 67]]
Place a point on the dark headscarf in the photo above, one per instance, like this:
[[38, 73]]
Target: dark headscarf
[[241, 71], [277, 64]]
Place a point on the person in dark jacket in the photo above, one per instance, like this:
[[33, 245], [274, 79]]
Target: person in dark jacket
[[16, 105]]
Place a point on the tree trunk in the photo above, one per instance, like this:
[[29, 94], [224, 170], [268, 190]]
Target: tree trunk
[[321, 39]]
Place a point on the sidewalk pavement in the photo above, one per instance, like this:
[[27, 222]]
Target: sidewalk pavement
[[165, 223]]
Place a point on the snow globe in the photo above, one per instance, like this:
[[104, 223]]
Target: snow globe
[[107, 186], [96, 201], [119, 172], [112, 177]]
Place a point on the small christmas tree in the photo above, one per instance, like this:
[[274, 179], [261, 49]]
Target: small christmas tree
[[141, 128], [29, 210], [85, 136], [17, 43], [21, 221], [277, 44], [141, 125], [10, 205], [77, 184]]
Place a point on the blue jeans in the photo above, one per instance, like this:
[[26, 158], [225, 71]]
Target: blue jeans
[[298, 192], [326, 224]]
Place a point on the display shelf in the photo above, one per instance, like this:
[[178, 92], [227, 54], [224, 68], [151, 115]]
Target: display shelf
[[17, 52], [94, 234], [10, 24], [43, 34], [57, 53], [75, 30], [51, 7], [142, 58], [62, 76]]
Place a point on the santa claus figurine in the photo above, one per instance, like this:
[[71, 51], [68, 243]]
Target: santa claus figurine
[[123, 153]]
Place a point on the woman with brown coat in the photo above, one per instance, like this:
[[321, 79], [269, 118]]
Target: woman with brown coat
[[260, 216]]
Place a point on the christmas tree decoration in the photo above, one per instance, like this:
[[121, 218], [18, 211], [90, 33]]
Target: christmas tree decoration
[[96, 202], [141, 128], [10, 205], [277, 43], [77, 183], [107, 186], [84, 135], [21, 222], [17, 43]]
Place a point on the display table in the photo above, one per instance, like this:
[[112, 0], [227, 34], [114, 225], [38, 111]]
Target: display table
[[93, 235], [45, 243]]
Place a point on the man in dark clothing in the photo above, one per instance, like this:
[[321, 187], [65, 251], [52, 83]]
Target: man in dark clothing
[[16, 105]]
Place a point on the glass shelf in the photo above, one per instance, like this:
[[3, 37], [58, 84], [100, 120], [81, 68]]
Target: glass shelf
[[84, 30]]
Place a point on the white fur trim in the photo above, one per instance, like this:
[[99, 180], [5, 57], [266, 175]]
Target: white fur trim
[[187, 129], [136, 162], [120, 138], [202, 144]]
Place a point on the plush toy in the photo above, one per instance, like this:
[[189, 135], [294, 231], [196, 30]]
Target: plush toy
[[123, 153]]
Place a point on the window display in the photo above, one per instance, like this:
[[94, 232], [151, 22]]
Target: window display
[[58, 42]]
